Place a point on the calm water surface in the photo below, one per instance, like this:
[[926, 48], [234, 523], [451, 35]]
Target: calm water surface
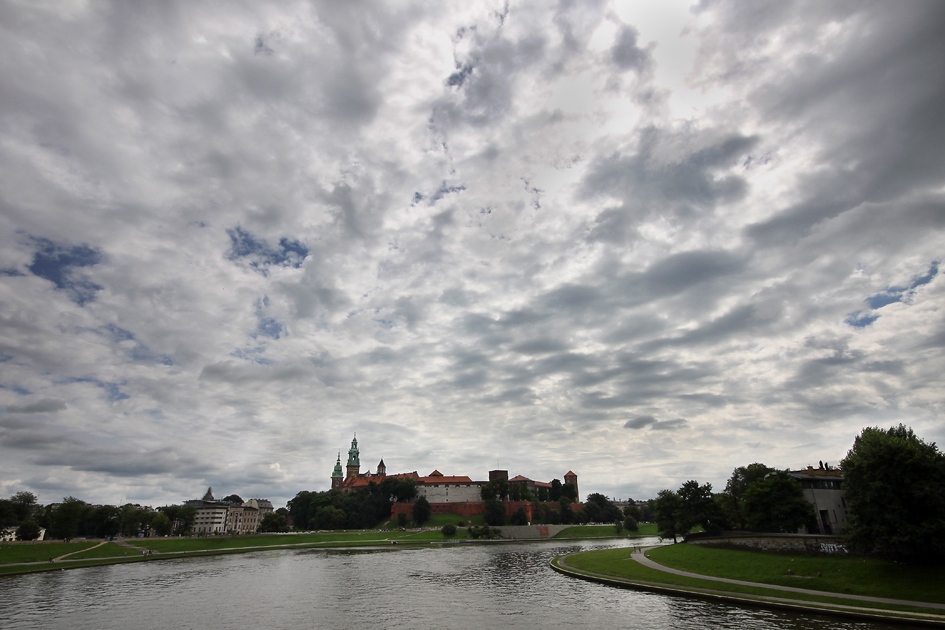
[[469, 586]]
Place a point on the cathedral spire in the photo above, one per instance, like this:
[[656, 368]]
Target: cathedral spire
[[354, 460]]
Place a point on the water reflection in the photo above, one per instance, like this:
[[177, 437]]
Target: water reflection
[[461, 586]]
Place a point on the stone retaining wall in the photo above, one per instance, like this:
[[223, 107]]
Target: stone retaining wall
[[813, 545], [531, 531]]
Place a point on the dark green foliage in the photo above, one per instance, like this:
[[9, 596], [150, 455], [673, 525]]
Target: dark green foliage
[[599, 509], [566, 512], [421, 511], [497, 489], [618, 526], [66, 518], [495, 512], [777, 504], [234, 498], [273, 522], [735, 489], [103, 521], [7, 514], [484, 532], [667, 509], [28, 530], [23, 505], [449, 530], [161, 525], [362, 509], [894, 484], [402, 519], [519, 517], [181, 516]]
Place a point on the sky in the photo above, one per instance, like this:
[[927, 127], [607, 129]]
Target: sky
[[646, 242]]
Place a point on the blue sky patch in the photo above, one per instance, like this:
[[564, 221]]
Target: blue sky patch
[[859, 319], [56, 262], [890, 295], [258, 253]]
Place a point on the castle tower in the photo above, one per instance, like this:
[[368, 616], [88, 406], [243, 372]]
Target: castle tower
[[571, 479], [382, 469], [354, 461], [337, 476]]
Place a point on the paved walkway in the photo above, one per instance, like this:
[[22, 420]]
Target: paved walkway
[[66, 555]]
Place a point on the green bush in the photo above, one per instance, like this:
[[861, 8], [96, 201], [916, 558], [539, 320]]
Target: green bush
[[449, 530]]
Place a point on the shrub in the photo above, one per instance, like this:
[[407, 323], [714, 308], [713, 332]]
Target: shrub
[[449, 530]]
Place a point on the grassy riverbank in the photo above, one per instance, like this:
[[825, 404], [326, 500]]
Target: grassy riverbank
[[836, 574], [839, 576], [87, 551]]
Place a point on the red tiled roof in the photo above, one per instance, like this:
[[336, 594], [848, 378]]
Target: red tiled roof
[[570, 474], [519, 478], [444, 479], [435, 473]]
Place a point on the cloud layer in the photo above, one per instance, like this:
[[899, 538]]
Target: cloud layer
[[644, 246]]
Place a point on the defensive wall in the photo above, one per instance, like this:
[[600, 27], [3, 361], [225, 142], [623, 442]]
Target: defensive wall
[[468, 509], [804, 544]]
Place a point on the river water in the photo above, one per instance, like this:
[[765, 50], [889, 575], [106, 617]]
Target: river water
[[455, 587]]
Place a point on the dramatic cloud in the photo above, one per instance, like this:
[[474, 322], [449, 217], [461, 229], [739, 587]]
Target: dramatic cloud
[[646, 243]]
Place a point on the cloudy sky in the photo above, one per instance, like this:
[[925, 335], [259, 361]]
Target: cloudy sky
[[648, 242]]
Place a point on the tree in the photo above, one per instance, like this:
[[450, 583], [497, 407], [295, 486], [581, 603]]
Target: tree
[[495, 513], [599, 509], [234, 498], [273, 522], [7, 514], [161, 525], [667, 510], [894, 483], [67, 517], [777, 504], [449, 530], [402, 519], [23, 505], [519, 517], [421, 511], [735, 489], [28, 530]]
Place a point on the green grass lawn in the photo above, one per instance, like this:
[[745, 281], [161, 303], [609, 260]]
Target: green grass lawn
[[601, 531], [617, 563], [40, 552], [108, 550], [847, 575]]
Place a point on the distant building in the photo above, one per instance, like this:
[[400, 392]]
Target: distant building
[[219, 517], [823, 487], [457, 494]]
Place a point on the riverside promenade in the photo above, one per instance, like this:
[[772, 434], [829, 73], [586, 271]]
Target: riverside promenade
[[839, 605]]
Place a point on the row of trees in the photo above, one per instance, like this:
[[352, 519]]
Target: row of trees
[[361, 509], [893, 485], [757, 498], [73, 518]]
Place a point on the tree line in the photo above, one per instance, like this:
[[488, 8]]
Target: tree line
[[893, 485], [74, 518]]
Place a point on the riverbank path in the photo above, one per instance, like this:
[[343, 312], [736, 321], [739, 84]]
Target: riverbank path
[[642, 558], [72, 553]]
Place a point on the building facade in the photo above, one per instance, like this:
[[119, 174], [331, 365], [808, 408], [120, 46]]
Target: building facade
[[823, 487]]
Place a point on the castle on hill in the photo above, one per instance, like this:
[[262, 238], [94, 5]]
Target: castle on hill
[[447, 494]]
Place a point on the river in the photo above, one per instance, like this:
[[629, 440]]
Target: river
[[455, 587]]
